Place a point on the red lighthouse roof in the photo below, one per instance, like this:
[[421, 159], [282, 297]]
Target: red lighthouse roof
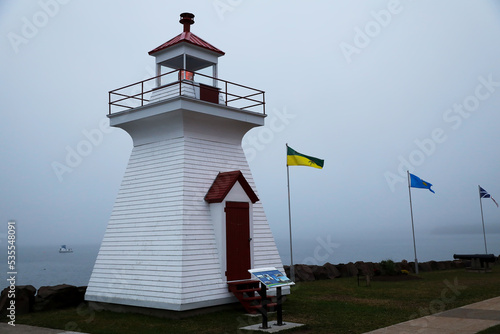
[[187, 36]]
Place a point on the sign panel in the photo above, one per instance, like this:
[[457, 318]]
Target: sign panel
[[271, 277]]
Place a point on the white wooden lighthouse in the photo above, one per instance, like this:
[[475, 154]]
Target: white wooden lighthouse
[[187, 219]]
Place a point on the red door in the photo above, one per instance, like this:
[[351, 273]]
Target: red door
[[237, 240]]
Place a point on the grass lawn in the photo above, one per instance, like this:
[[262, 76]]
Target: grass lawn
[[328, 306]]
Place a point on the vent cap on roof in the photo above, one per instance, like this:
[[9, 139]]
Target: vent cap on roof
[[187, 19]]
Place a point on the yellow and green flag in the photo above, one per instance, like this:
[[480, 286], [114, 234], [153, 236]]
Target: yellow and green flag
[[294, 158]]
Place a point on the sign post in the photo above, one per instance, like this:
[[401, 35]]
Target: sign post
[[271, 278], [279, 309]]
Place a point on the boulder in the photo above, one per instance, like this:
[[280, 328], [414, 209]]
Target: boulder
[[57, 297], [351, 269], [287, 271], [434, 265], [25, 299], [365, 268], [81, 291], [342, 270], [443, 265], [331, 270], [424, 266], [347, 270], [457, 264], [319, 272], [303, 273]]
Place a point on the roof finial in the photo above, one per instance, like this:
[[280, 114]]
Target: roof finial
[[186, 20]]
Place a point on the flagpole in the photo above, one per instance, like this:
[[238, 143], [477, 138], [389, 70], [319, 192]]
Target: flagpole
[[482, 220], [292, 269], [412, 226]]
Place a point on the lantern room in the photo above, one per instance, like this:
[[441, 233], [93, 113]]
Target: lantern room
[[186, 52], [186, 66]]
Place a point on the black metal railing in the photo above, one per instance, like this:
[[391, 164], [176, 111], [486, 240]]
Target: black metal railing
[[228, 93]]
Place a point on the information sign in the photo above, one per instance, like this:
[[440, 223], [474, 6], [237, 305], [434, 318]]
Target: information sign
[[271, 277]]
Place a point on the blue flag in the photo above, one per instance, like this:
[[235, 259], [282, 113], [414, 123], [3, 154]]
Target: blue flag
[[417, 182], [484, 194]]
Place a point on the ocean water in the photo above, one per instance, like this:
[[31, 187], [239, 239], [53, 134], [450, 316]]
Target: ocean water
[[44, 265]]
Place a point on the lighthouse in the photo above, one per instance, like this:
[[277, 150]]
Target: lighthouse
[[187, 220]]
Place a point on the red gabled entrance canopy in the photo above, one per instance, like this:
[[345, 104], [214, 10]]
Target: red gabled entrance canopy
[[224, 182]]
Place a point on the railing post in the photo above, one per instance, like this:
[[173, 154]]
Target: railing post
[[142, 93], [109, 103], [263, 103], [180, 82], [226, 91]]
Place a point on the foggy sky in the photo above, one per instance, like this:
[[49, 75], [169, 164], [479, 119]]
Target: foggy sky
[[372, 87]]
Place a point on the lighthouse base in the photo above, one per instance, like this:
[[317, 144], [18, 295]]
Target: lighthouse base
[[165, 246], [162, 313]]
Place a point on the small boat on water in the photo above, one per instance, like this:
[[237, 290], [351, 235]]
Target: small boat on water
[[65, 249]]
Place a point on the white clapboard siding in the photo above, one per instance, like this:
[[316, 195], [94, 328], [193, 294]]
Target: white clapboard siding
[[190, 89], [187, 89], [143, 199], [159, 249], [228, 158]]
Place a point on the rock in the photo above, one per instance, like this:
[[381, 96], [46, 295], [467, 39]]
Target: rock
[[365, 268], [331, 270], [372, 266], [303, 273], [57, 297], [81, 291], [443, 265], [342, 269], [351, 269], [433, 264], [457, 264], [347, 270], [25, 299], [319, 272], [424, 266]]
